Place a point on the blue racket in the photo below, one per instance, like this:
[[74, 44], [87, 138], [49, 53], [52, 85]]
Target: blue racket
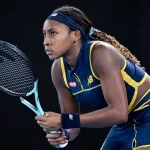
[[17, 78]]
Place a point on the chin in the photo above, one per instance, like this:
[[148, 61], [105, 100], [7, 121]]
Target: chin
[[53, 58]]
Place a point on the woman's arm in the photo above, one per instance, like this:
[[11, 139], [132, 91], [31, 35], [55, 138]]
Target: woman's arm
[[66, 100], [106, 64], [52, 121]]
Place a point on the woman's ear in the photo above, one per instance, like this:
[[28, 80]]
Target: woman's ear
[[76, 36]]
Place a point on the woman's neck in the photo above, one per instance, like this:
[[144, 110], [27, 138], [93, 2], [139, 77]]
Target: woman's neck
[[72, 55]]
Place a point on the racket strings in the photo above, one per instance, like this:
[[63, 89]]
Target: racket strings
[[16, 74]]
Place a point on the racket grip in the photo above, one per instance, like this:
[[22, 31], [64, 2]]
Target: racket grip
[[60, 145]]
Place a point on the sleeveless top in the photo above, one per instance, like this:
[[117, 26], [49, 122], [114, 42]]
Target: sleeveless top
[[86, 86]]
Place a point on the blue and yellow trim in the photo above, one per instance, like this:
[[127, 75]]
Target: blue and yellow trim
[[134, 139], [132, 82], [85, 90], [143, 146], [103, 144], [130, 106], [134, 146], [144, 105], [64, 72], [91, 48]]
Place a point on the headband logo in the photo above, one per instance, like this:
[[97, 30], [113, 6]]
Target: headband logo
[[55, 14]]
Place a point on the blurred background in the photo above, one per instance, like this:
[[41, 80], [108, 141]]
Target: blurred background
[[21, 24]]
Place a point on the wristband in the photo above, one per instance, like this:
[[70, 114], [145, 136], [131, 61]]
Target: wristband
[[70, 120], [67, 134]]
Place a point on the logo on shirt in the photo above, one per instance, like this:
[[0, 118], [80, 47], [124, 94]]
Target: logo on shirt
[[72, 84], [90, 79], [70, 116]]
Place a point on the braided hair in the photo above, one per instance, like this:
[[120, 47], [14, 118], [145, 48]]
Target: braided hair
[[80, 18]]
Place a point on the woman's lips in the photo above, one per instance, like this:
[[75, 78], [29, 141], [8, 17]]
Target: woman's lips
[[48, 52]]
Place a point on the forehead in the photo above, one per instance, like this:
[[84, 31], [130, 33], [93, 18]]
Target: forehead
[[48, 24]]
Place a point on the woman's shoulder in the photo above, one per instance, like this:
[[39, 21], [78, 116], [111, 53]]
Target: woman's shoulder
[[56, 67], [101, 48], [56, 64], [104, 55]]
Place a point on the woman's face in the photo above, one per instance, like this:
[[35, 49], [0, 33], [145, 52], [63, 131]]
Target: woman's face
[[57, 39]]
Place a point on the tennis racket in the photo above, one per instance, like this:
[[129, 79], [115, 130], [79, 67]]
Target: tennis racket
[[17, 78]]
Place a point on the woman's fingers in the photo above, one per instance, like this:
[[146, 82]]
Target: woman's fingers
[[56, 139]]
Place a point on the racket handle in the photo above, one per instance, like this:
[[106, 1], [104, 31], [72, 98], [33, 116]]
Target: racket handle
[[60, 145]]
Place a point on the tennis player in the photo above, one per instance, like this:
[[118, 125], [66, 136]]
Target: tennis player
[[92, 68]]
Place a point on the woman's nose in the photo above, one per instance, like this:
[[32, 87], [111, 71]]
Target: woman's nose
[[46, 41]]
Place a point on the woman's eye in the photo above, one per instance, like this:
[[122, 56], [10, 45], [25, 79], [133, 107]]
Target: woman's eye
[[53, 33]]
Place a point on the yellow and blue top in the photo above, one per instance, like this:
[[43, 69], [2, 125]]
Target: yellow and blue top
[[86, 86]]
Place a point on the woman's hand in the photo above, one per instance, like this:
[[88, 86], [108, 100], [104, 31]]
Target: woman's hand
[[51, 121], [56, 139]]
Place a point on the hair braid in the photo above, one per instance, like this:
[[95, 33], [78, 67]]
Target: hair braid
[[102, 36]]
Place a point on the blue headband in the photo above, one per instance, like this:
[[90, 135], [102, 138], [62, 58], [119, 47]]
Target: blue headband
[[60, 17]]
